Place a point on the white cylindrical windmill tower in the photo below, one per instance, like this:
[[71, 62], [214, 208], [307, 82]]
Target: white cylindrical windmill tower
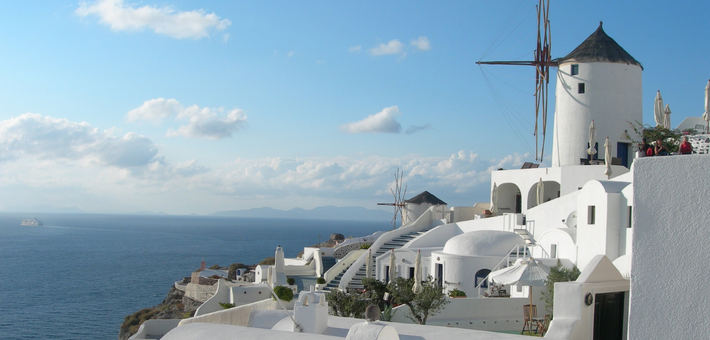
[[597, 81]]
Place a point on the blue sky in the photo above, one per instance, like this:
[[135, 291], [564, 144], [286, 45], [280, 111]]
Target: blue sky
[[195, 107]]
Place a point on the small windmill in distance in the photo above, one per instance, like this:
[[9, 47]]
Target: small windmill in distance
[[398, 198]]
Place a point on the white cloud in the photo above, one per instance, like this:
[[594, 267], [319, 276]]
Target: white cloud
[[421, 43], [383, 121], [392, 47], [203, 122], [161, 20], [155, 110], [290, 54], [53, 139], [354, 49]]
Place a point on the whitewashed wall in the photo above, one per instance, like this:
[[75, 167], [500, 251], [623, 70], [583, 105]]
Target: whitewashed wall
[[669, 274]]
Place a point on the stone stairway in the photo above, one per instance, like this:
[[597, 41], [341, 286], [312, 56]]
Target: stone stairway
[[334, 283], [328, 262], [396, 243]]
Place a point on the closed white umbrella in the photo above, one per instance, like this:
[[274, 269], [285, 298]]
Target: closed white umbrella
[[494, 199], [270, 276], [706, 114], [592, 140], [393, 264], [368, 264], [607, 158], [526, 273], [667, 117], [417, 288], [658, 109], [540, 192]]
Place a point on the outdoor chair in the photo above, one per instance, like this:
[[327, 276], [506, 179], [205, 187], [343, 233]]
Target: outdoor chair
[[531, 322]]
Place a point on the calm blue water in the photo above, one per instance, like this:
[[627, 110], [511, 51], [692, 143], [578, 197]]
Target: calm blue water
[[80, 274]]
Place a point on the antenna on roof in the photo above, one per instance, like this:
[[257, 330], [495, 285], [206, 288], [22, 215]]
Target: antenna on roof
[[398, 198]]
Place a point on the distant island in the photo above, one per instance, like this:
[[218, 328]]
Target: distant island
[[321, 213]]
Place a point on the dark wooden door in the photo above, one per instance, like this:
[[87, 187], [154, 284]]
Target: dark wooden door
[[609, 316]]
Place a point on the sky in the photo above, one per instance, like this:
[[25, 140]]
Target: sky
[[188, 107]]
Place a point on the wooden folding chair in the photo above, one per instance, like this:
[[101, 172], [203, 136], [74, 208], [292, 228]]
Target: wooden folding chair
[[530, 319]]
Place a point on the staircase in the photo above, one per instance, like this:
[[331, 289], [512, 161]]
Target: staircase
[[396, 243], [328, 262], [525, 235], [333, 284]]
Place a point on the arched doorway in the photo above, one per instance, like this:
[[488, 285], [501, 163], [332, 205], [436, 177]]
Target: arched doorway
[[480, 278], [551, 191]]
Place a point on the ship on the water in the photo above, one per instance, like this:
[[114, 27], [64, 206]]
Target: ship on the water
[[32, 222]]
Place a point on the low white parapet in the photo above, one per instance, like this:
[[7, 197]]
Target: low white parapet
[[155, 328], [372, 331]]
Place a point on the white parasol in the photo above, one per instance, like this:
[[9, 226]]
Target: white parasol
[[592, 140], [417, 288], [658, 109], [706, 114], [540, 192], [393, 269], [667, 117], [527, 273], [494, 199], [368, 264], [607, 158]]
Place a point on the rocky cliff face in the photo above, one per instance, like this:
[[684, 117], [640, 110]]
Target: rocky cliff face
[[175, 306]]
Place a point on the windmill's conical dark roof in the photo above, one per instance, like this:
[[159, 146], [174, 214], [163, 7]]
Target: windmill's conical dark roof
[[425, 197], [600, 47]]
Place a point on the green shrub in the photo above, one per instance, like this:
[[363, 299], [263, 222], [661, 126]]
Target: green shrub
[[269, 261], [226, 305], [456, 293], [291, 281], [320, 281], [558, 273], [366, 246], [284, 293]]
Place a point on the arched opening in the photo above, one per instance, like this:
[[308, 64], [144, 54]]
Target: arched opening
[[509, 200], [481, 278], [551, 190]]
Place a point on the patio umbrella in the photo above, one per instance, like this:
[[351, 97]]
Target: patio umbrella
[[368, 264], [540, 192], [270, 276], [592, 139], [417, 288], [667, 117], [494, 199], [527, 273], [706, 114], [393, 269], [658, 109], [607, 158]]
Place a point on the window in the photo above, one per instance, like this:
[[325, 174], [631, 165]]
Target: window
[[580, 88], [631, 217], [591, 211], [481, 278], [575, 69], [553, 251]]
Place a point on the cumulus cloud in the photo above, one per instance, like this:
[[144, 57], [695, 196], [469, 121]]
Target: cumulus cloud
[[383, 121], [354, 49], [161, 20], [202, 122], [421, 43], [47, 138], [392, 47]]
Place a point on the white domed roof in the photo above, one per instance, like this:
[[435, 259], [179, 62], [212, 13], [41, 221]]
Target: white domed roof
[[483, 243]]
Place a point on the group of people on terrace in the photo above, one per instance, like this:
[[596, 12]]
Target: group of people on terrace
[[659, 149]]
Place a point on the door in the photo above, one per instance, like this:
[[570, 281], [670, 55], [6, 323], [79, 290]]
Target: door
[[622, 151], [518, 204], [440, 274], [609, 316]]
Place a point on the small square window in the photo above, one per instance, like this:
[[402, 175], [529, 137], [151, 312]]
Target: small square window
[[580, 88], [591, 212], [575, 69]]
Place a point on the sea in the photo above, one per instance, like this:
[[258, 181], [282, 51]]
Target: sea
[[79, 275]]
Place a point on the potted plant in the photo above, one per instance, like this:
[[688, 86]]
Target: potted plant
[[457, 293], [320, 283]]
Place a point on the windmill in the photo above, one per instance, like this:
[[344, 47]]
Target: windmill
[[542, 62], [398, 198]]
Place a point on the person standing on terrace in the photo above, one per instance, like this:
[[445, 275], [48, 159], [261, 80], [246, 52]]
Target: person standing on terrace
[[685, 147]]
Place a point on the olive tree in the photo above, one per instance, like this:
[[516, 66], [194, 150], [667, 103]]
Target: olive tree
[[429, 301]]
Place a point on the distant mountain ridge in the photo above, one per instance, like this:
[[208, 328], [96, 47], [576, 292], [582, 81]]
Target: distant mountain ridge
[[329, 212], [44, 209]]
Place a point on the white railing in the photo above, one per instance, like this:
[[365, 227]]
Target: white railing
[[422, 223], [342, 264], [526, 252]]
